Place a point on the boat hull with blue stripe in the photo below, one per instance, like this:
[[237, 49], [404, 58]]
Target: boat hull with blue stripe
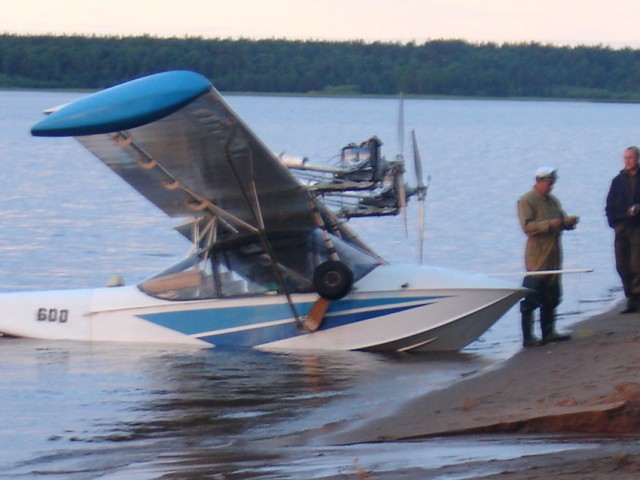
[[437, 310]]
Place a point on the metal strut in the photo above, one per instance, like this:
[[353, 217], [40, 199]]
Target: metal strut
[[200, 203], [256, 213], [326, 238]]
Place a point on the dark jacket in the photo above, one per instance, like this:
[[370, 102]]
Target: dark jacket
[[618, 201]]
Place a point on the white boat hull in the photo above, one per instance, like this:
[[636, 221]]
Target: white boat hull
[[394, 308]]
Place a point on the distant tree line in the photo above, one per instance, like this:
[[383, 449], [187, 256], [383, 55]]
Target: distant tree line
[[441, 67]]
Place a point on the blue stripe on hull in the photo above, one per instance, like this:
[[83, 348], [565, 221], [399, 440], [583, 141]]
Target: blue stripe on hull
[[192, 322], [273, 333], [254, 320]]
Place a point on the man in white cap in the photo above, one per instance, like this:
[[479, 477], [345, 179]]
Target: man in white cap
[[623, 215], [543, 220]]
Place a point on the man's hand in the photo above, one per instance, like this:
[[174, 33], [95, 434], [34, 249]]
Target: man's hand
[[555, 223], [571, 221]]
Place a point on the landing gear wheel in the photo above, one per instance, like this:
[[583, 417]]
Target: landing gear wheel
[[332, 280]]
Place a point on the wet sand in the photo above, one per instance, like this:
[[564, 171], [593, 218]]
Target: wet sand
[[589, 387]]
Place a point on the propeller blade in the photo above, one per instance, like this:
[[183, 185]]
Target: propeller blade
[[398, 168], [421, 192], [401, 125], [401, 196], [417, 161], [420, 230]]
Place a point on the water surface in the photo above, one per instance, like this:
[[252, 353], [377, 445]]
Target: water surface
[[106, 410]]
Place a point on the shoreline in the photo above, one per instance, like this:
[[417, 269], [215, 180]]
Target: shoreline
[[352, 96], [555, 388], [584, 388]]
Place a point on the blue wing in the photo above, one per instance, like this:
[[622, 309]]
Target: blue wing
[[174, 139]]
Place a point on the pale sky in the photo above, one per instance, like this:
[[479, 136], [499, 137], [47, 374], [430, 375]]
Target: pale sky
[[613, 23]]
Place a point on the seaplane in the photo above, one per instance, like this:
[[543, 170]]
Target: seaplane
[[272, 264]]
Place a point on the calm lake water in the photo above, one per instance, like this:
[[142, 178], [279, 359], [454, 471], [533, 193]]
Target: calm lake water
[[127, 411]]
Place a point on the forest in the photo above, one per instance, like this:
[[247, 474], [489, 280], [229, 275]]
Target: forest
[[451, 68]]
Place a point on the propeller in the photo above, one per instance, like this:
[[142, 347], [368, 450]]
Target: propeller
[[401, 194], [398, 174], [401, 126], [421, 192]]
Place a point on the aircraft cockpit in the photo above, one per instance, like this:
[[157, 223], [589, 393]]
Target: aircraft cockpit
[[245, 267]]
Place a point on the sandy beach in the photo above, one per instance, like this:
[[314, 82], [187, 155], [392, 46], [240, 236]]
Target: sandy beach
[[587, 387]]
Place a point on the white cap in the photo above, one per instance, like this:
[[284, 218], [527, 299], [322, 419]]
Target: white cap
[[546, 172]]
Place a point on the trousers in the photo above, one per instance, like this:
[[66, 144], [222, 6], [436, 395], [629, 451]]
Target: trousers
[[546, 294], [627, 250]]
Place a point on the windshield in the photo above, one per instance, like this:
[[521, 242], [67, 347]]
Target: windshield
[[244, 267]]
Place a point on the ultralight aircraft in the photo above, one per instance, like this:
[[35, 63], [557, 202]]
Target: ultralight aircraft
[[273, 264]]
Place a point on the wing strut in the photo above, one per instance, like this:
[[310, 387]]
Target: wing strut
[[259, 221], [331, 249], [314, 318], [332, 279], [199, 203]]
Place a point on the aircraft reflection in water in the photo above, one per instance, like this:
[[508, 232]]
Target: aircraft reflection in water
[[273, 264]]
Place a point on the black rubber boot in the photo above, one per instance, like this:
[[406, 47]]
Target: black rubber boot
[[528, 339], [547, 323], [632, 304]]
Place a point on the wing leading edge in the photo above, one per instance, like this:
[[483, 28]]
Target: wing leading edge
[[124, 106]]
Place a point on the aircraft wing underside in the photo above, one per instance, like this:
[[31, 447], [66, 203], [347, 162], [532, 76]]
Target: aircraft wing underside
[[197, 159]]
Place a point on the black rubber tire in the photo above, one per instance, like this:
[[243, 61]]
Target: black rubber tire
[[332, 280]]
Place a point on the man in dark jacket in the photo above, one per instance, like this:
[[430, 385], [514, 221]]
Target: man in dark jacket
[[623, 215]]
